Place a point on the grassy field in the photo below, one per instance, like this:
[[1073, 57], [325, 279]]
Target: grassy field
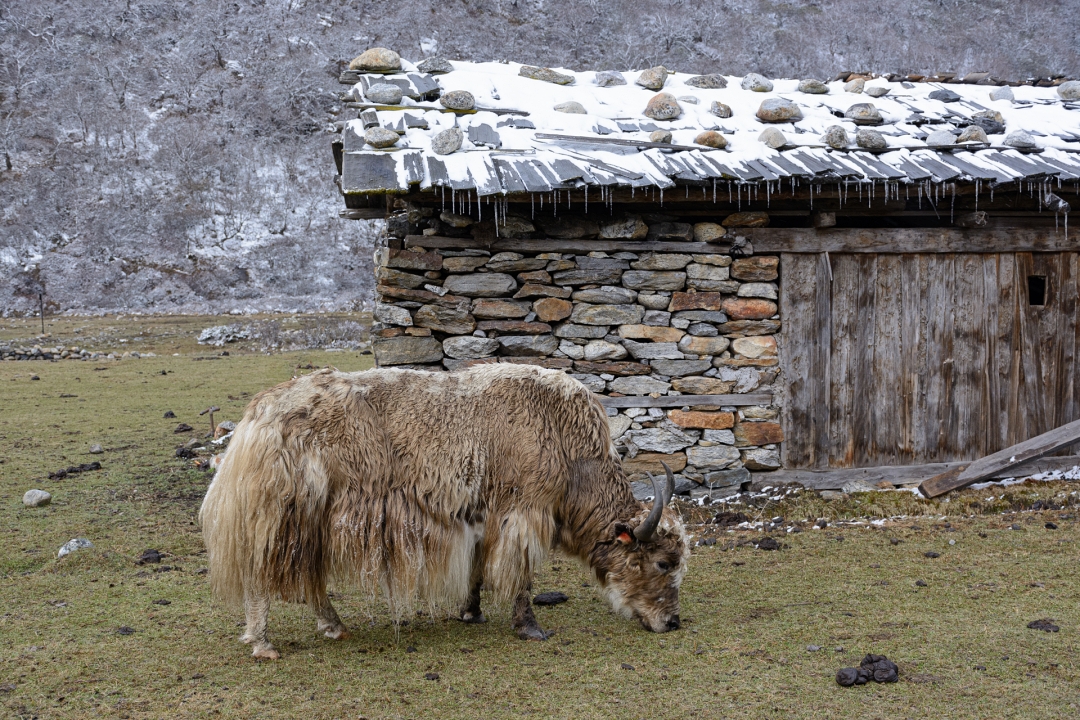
[[960, 637]]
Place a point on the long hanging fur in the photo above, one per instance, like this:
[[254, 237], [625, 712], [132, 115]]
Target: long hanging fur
[[399, 480]]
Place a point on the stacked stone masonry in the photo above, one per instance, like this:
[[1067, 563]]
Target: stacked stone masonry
[[21, 352], [656, 324]]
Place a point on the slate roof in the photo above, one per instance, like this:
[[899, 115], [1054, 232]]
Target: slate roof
[[537, 149]]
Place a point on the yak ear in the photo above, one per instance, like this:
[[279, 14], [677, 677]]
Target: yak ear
[[624, 534]]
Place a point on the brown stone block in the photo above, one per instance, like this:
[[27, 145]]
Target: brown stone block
[[759, 346], [514, 327], [702, 386], [422, 296], [748, 308], [650, 462], [451, 320], [758, 433], [612, 368], [703, 420], [695, 301], [704, 345], [542, 277], [389, 332], [418, 331], [463, 264], [748, 362], [651, 332], [491, 309], [760, 268], [552, 309], [397, 278], [411, 260], [530, 290], [747, 328]]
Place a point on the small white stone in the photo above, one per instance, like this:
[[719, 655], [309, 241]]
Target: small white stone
[[72, 545], [96, 449], [572, 351], [36, 498], [597, 350]]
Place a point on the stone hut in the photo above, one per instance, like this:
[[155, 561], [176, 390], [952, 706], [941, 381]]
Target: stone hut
[[833, 282]]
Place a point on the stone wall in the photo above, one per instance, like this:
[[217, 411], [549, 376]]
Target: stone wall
[[655, 325]]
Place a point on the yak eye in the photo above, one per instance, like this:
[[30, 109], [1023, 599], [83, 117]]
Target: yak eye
[[664, 567]]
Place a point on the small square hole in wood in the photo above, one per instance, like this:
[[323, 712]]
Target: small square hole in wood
[[1037, 290]]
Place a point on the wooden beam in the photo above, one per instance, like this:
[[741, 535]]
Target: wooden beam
[[669, 401], [901, 475], [910, 240], [1003, 461], [363, 213], [575, 246]]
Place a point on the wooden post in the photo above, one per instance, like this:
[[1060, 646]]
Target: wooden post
[[41, 309]]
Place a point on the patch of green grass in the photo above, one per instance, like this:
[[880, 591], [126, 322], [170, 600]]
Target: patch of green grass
[[961, 641]]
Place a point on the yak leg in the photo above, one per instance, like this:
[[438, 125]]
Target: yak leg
[[471, 612], [257, 613], [524, 620], [328, 622]]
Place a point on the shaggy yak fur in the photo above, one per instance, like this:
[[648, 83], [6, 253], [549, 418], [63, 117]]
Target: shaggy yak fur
[[427, 486]]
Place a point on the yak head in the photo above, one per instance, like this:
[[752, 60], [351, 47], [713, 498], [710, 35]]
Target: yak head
[[642, 563]]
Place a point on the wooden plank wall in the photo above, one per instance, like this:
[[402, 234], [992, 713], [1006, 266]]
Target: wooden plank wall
[[919, 358]]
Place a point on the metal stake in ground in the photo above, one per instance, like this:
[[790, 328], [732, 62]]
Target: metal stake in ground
[[212, 409]]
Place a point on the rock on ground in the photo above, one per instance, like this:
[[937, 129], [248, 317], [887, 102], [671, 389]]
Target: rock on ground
[[756, 83], [73, 545], [36, 498]]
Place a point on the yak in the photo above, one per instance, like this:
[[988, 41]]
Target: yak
[[427, 486]]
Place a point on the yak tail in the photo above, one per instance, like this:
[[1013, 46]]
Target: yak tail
[[264, 515]]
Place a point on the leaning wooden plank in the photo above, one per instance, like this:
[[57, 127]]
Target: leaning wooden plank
[[902, 475], [667, 401], [568, 246], [1004, 460]]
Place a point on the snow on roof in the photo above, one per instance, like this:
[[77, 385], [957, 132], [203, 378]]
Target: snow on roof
[[516, 142]]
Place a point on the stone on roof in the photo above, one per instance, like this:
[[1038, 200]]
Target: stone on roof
[[493, 128]]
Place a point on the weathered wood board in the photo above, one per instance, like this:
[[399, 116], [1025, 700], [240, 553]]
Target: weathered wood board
[[910, 240], [1003, 461], [897, 359], [576, 246], [902, 475]]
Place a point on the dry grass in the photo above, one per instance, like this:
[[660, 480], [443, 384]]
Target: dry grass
[[961, 640]]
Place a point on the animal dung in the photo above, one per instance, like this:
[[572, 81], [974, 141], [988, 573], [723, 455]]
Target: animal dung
[[878, 668], [550, 598], [1045, 624]]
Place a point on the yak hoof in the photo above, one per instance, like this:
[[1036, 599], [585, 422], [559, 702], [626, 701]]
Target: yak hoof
[[476, 619], [338, 633], [532, 632], [265, 652]]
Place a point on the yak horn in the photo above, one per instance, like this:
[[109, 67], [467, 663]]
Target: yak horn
[[661, 496]]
